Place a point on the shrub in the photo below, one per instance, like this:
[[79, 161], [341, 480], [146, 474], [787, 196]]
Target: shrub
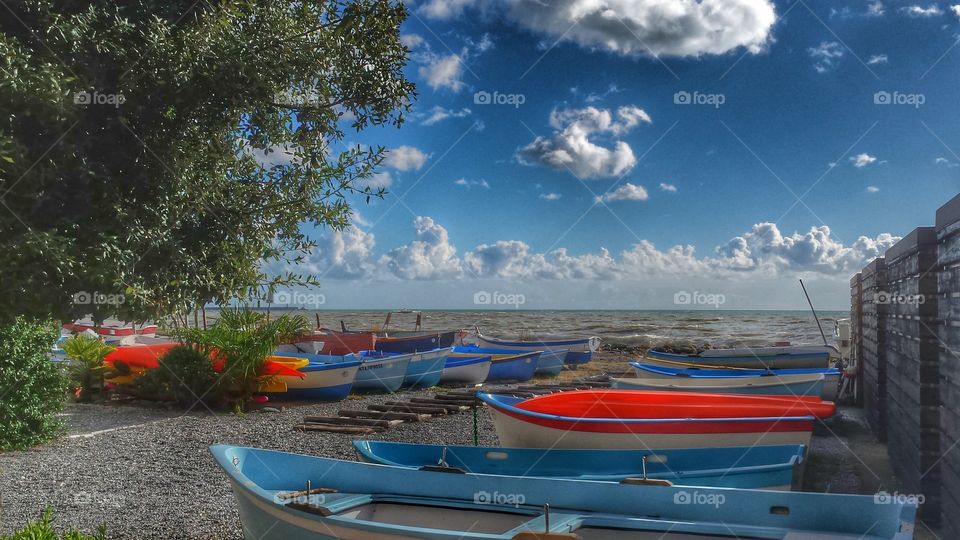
[[86, 364], [32, 388], [42, 529], [185, 374]]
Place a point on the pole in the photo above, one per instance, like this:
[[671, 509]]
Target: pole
[[822, 335]]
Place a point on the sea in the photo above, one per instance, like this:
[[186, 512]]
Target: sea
[[643, 329]]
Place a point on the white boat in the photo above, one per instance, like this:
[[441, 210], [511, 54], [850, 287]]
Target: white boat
[[796, 385], [579, 350], [466, 370]]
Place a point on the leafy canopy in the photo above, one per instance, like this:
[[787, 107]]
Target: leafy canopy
[[163, 149]]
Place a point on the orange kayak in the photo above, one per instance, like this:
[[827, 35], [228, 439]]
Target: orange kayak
[[148, 357]]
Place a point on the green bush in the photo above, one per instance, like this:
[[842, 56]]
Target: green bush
[[185, 374], [42, 529], [86, 364], [32, 388]]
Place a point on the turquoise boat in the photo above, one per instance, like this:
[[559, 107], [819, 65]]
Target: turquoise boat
[[281, 496], [831, 376], [381, 372], [425, 368], [551, 362], [505, 364], [758, 467], [783, 385]]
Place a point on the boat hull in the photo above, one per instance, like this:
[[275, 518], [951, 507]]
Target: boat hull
[[408, 344], [831, 376], [367, 501], [551, 362], [325, 378], [425, 369], [786, 385], [758, 467], [579, 351], [465, 370], [759, 360], [381, 373]]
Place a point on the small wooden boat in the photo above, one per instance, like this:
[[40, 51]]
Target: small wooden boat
[[758, 467], [831, 376], [632, 419], [381, 372], [754, 357], [465, 370], [325, 377], [787, 385], [326, 341], [282, 496], [425, 368], [505, 365], [579, 350], [408, 344]]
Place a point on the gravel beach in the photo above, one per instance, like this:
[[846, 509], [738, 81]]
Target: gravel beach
[[146, 472]]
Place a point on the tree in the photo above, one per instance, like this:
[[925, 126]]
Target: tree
[[157, 152]]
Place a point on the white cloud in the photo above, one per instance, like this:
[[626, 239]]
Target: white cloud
[[443, 71], [862, 160], [444, 9], [626, 192], [649, 27], [955, 9], [343, 254], [378, 180], [877, 59], [571, 148], [915, 10], [438, 114], [471, 183], [550, 196], [875, 9], [429, 256], [946, 162], [873, 189], [826, 56], [405, 158], [411, 41], [668, 187]]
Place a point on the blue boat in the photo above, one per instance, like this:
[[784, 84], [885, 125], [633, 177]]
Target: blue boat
[[579, 350], [425, 368], [551, 362], [758, 467], [753, 357], [466, 370], [326, 378], [831, 376], [282, 496], [784, 385], [408, 344], [505, 365], [381, 372]]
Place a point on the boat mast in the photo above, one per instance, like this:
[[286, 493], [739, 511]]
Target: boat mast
[[819, 326]]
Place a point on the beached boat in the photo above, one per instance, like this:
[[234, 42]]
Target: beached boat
[[465, 370], [408, 344], [754, 357], [758, 467], [425, 368], [325, 377], [788, 385], [505, 365], [831, 376], [551, 362], [632, 419], [579, 350], [282, 496], [381, 372], [326, 341]]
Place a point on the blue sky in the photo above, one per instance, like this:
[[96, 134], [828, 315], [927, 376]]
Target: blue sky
[[724, 147]]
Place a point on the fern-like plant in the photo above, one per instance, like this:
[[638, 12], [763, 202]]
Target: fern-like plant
[[86, 355]]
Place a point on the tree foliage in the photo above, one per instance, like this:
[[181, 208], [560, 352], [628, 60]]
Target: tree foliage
[[164, 149]]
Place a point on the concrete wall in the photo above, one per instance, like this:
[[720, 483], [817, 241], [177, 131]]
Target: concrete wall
[[948, 333], [873, 362]]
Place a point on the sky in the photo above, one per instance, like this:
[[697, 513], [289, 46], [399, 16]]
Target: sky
[[651, 154]]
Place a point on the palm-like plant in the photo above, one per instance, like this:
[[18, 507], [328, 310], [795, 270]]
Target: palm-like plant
[[86, 364], [242, 340]]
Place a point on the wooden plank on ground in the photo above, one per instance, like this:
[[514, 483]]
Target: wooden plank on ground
[[393, 417], [330, 428], [406, 407], [346, 421]]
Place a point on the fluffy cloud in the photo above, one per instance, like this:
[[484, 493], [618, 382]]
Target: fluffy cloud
[[877, 59], [443, 71], [444, 9], [955, 9], [826, 56], [405, 158], [380, 180], [626, 192], [668, 187], [873, 189], [932, 10], [571, 148], [439, 114], [344, 254], [550, 196], [429, 256], [649, 27], [875, 9], [463, 182], [862, 160]]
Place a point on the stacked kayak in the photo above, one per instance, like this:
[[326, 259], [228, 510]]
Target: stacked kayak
[[281, 496], [632, 419], [760, 467]]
